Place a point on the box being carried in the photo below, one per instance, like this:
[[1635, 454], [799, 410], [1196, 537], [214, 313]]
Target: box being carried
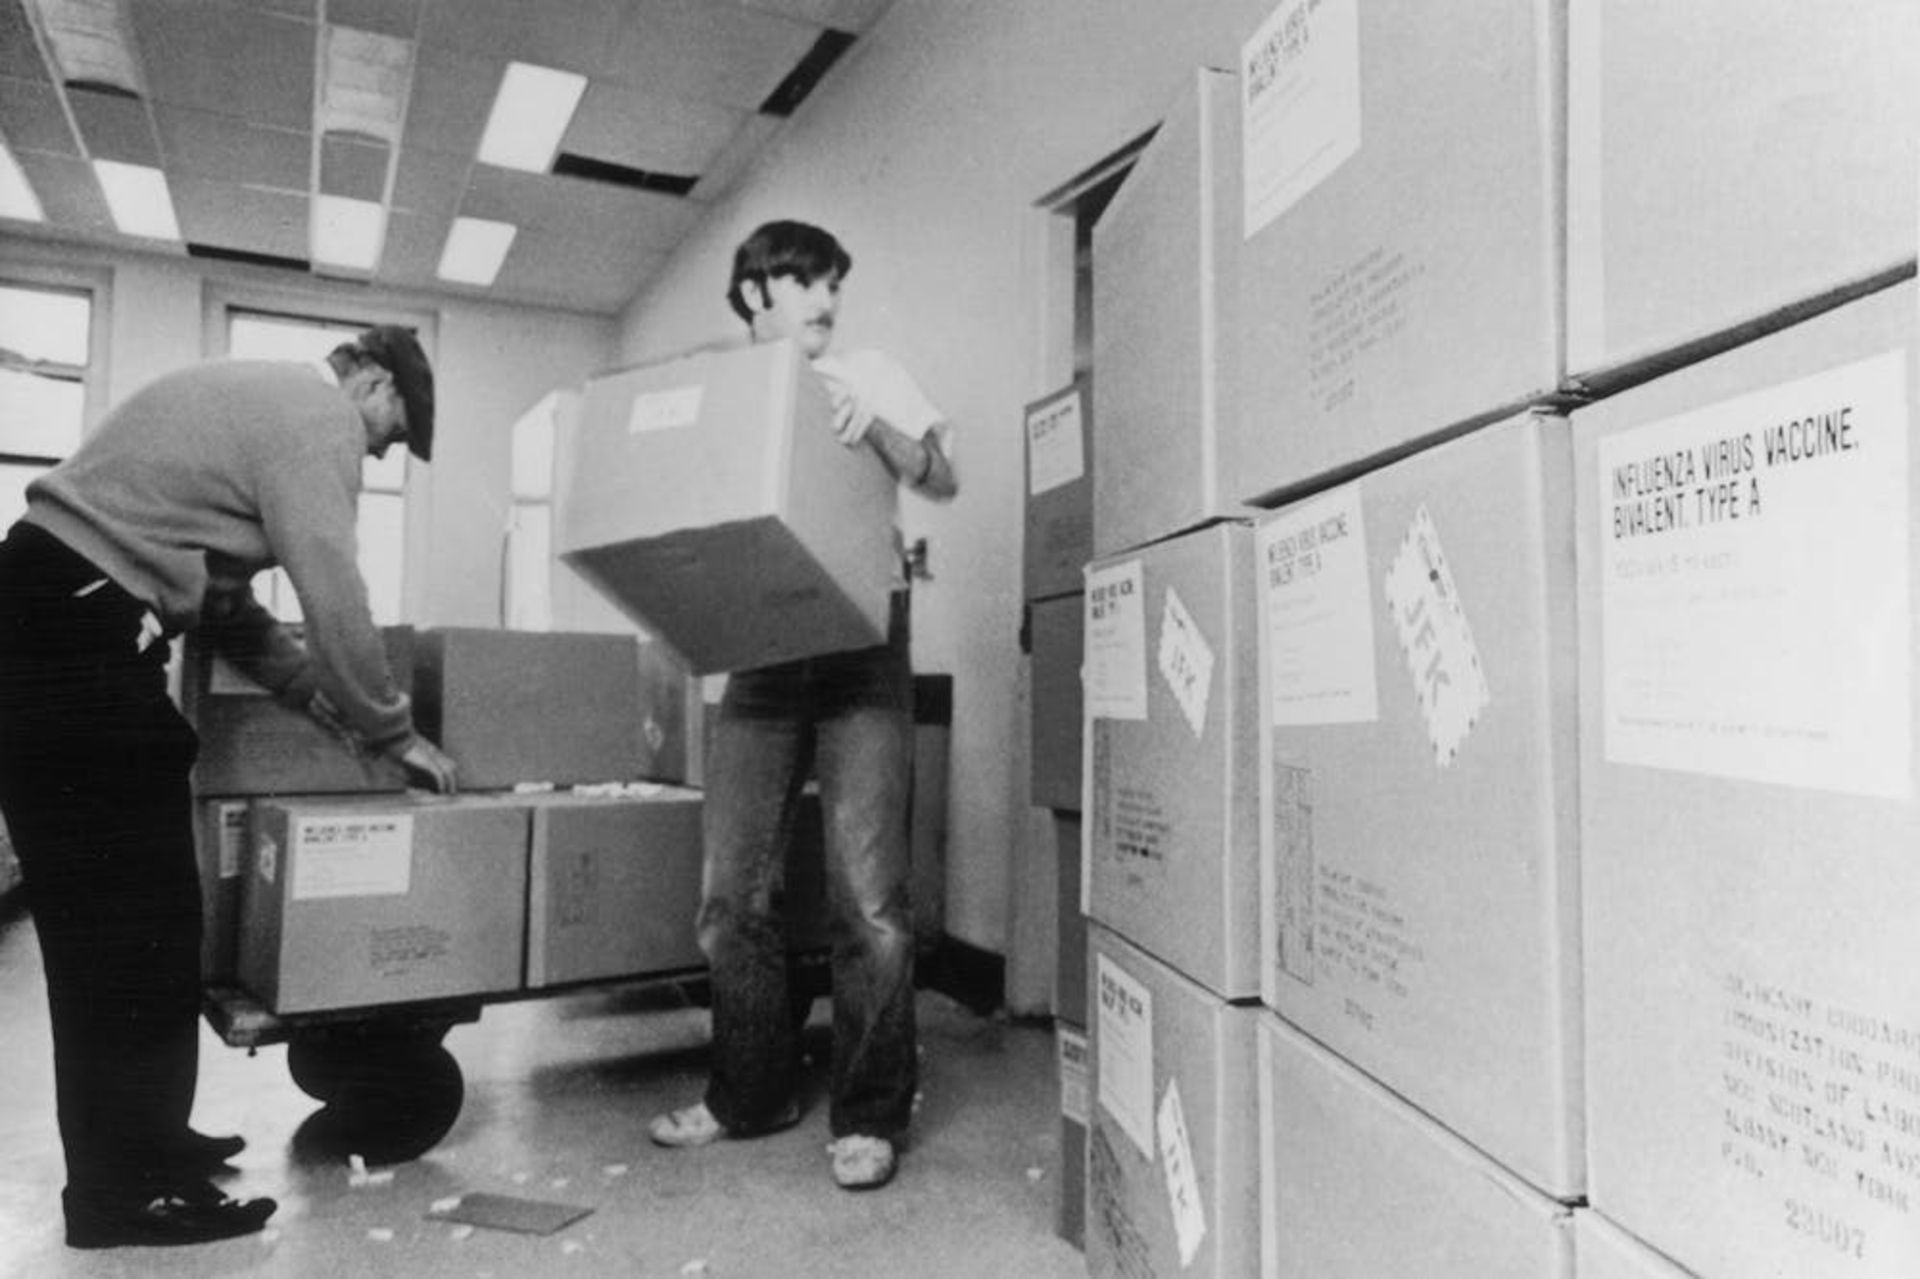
[[358, 901], [709, 498]]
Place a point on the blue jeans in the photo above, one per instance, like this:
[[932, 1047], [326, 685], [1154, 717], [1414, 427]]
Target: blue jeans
[[848, 719]]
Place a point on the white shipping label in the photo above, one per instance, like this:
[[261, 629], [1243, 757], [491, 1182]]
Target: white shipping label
[[1115, 671], [1300, 104], [1754, 586], [1317, 613], [230, 821], [1056, 444], [1073, 1074], [1186, 661], [1435, 638], [665, 410], [352, 856], [1124, 1035], [1183, 1183]]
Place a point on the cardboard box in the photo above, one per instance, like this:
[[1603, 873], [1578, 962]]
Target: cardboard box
[[613, 887], [1357, 1184], [1070, 1209], [1419, 801], [1057, 628], [222, 843], [1165, 253], [1747, 548], [1401, 272], [1602, 1250], [1059, 527], [1172, 1161], [1070, 971], [709, 499], [537, 706], [252, 745], [1730, 166], [1172, 735], [359, 902]]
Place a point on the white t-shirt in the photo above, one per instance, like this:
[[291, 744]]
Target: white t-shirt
[[890, 393]]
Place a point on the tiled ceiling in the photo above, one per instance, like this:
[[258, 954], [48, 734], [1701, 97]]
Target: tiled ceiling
[[681, 95]]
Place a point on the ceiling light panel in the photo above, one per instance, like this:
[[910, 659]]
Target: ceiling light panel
[[529, 117], [138, 198], [17, 199], [92, 43], [347, 233], [363, 83], [476, 250]]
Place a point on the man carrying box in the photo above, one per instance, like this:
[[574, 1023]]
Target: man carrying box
[[155, 526], [848, 716]]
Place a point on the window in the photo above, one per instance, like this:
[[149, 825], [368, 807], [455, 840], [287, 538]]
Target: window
[[529, 568], [265, 335], [45, 360]]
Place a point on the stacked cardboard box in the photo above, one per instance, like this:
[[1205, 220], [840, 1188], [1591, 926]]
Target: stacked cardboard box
[[251, 745], [1171, 853], [1731, 168], [1418, 794], [560, 708], [1400, 230], [1358, 1184], [709, 498], [1165, 254], [1172, 1163], [362, 901], [613, 885], [1750, 800]]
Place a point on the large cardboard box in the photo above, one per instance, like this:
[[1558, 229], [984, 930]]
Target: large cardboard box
[[1059, 523], [1401, 271], [1749, 816], [252, 745], [708, 498], [1419, 801], [365, 901], [1172, 727], [1057, 629], [613, 886], [1172, 1161], [1070, 970], [1602, 1250], [1730, 164], [1357, 1184], [1070, 1207], [222, 842], [537, 706], [1164, 253]]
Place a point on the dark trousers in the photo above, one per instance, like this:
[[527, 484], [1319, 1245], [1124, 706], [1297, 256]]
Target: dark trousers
[[848, 718], [94, 764]]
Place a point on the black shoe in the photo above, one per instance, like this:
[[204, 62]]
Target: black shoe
[[198, 1154], [185, 1215]]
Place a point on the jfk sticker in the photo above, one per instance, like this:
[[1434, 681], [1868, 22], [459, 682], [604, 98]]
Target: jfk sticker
[[1435, 638]]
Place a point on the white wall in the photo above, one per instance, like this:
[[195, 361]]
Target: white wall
[[925, 153], [491, 364]]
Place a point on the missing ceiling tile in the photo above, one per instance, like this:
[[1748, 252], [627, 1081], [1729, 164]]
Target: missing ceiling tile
[[568, 165], [219, 253], [807, 73]]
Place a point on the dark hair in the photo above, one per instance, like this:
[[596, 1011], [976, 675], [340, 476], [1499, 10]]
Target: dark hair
[[797, 249], [397, 350]]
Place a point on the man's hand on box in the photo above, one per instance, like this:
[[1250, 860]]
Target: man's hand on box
[[851, 418], [426, 764]]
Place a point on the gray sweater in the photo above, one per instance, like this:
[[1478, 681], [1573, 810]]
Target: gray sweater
[[210, 474]]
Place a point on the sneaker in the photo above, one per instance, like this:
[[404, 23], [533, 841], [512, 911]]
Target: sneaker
[[861, 1162], [695, 1125]]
